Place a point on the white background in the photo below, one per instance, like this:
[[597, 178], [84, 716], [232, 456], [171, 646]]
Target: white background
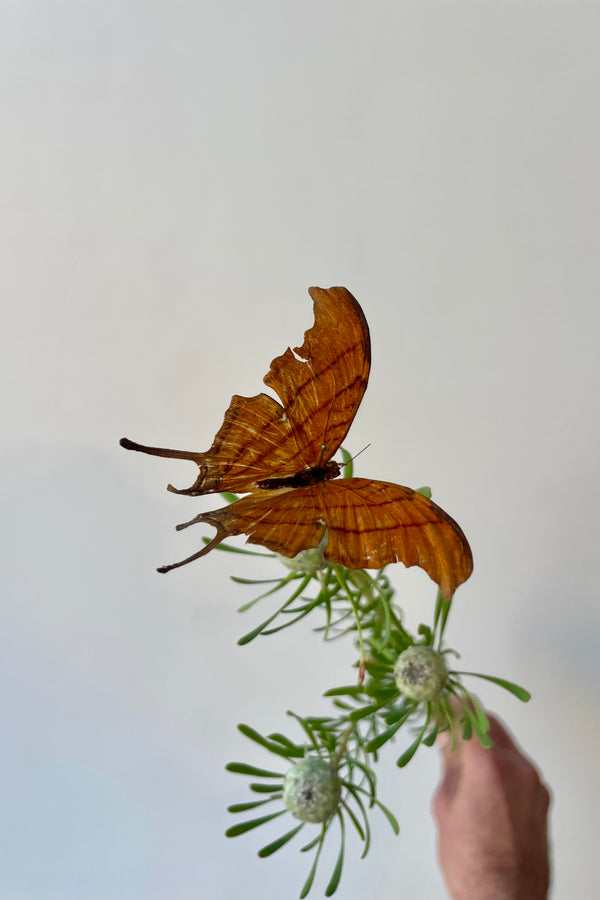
[[174, 176]]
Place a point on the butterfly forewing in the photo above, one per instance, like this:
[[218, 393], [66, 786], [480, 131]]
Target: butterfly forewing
[[322, 382]]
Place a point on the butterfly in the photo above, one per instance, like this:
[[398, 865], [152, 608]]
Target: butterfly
[[280, 455]]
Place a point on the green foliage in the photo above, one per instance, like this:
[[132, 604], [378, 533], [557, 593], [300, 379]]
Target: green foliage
[[366, 714]]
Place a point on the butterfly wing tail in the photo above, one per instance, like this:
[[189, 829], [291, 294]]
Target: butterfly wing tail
[[211, 519], [158, 451], [205, 483], [284, 521]]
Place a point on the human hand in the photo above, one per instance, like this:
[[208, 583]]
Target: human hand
[[491, 809]]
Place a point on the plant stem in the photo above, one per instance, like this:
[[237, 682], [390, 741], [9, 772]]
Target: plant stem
[[343, 742], [361, 644]]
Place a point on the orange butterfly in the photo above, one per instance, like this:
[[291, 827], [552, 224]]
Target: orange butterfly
[[280, 454]]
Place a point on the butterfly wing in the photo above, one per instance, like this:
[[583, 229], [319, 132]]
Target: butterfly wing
[[374, 523], [320, 386], [370, 524], [322, 382], [254, 440], [286, 521]]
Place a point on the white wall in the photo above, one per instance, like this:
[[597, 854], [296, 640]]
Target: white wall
[[174, 176]]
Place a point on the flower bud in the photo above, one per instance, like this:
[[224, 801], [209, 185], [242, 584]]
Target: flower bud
[[312, 790], [308, 561], [420, 673]]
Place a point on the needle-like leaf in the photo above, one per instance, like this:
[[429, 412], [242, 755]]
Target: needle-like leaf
[[254, 771], [275, 845], [337, 871], [311, 875], [269, 745], [243, 827], [519, 692]]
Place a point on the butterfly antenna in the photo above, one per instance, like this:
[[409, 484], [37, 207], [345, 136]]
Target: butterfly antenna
[[352, 458]]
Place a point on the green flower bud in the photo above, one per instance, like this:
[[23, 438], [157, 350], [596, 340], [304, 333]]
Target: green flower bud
[[307, 561], [420, 673], [312, 790]]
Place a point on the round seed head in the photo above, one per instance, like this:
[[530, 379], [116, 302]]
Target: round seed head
[[420, 673], [312, 790]]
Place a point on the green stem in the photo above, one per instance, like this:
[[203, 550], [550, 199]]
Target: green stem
[[440, 617], [361, 644], [343, 743], [369, 586]]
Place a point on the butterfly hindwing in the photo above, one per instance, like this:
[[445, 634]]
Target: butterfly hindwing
[[374, 523], [370, 524]]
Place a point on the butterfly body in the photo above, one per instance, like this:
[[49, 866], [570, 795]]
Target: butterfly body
[[280, 454], [308, 476]]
